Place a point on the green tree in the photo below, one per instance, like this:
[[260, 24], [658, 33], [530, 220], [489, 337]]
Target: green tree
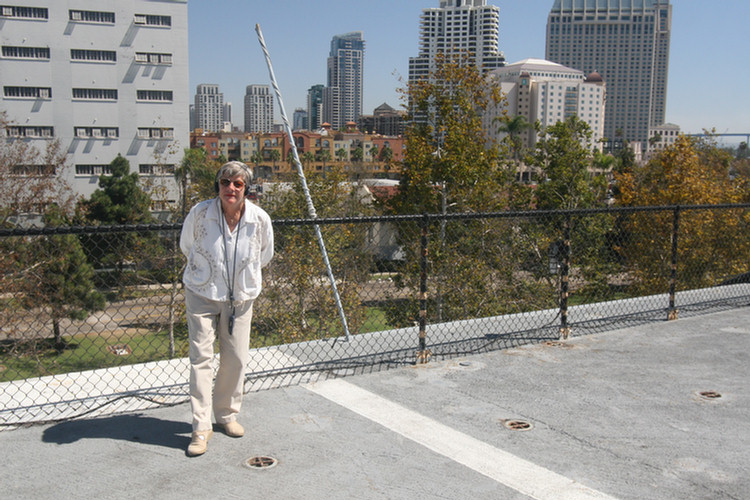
[[373, 152], [119, 200], [195, 176], [449, 165], [256, 158], [514, 127], [565, 160], [568, 181], [274, 156], [341, 154], [323, 156], [447, 153], [307, 158], [357, 154], [62, 279], [300, 304]]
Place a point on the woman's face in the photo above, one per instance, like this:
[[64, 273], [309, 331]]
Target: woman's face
[[232, 192]]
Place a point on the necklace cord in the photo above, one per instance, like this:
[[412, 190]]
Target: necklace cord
[[231, 280]]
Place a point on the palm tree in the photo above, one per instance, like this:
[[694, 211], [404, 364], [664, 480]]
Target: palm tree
[[373, 152], [256, 158], [341, 154], [357, 154], [386, 155], [274, 156], [513, 127], [324, 155], [307, 158]]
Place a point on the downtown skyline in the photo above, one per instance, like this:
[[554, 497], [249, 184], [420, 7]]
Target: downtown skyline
[[703, 45]]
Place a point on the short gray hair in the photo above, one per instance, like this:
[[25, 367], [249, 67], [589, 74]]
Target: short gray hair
[[232, 168]]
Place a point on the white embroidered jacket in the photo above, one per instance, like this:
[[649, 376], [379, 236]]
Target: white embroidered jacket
[[202, 243]]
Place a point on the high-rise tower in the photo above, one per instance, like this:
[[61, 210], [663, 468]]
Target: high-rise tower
[[209, 107], [342, 98], [627, 42], [258, 109], [315, 107], [458, 26]]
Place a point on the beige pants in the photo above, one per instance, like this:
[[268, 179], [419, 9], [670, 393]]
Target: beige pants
[[206, 318]]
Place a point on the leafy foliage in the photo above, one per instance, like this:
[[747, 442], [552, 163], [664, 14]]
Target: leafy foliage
[[689, 172], [567, 181], [31, 179], [300, 303], [119, 200], [447, 151]]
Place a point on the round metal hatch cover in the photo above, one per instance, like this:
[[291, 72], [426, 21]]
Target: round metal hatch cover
[[517, 425], [260, 462], [709, 395]]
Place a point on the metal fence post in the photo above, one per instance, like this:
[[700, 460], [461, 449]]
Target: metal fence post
[[564, 284], [423, 354], [673, 312]]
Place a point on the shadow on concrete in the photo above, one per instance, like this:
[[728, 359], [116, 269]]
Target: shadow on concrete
[[135, 428]]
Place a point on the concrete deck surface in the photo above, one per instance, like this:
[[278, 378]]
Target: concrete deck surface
[[657, 411]]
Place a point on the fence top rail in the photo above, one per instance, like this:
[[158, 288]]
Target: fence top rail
[[126, 228]]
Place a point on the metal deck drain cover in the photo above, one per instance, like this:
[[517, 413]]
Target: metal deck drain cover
[[709, 395], [517, 425], [261, 462]]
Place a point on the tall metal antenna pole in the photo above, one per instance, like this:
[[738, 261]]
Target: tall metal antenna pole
[[301, 173]]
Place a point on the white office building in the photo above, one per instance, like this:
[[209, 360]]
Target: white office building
[[209, 108], [627, 42], [458, 26], [103, 77], [547, 92], [258, 109]]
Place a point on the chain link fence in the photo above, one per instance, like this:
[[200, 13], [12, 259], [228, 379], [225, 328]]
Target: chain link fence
[[93, 317]]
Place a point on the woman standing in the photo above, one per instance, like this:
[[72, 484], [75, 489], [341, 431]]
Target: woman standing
[[227, 240]]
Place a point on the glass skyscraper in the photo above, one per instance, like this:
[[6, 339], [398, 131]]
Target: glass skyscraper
[[342, 98]]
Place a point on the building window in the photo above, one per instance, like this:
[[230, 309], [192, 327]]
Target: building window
[[24, 12], [153, 58], [93, 55], [154, 95], [155, 133], [149, 20], [28, 92], [95, 94], [91, 170], [14, 52], [29, 131], [32, 170], [92, 16], [156, 169], [96, 132]]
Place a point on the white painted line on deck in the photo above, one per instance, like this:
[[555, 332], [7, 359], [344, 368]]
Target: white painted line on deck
[[514, 472]]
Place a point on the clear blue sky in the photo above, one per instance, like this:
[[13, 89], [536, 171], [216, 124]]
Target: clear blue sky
[[709, 75]]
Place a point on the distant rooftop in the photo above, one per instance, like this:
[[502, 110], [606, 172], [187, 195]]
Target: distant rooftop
[[539, 68], [605, 5]]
